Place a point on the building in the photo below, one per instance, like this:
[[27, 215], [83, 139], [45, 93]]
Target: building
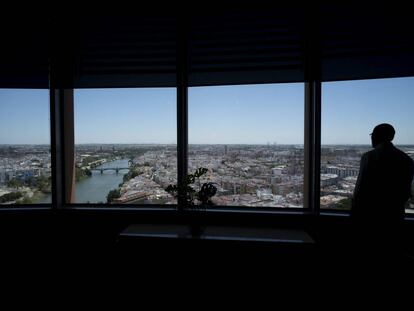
[[329, 180]]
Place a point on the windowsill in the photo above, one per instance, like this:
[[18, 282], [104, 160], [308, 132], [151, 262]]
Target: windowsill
[[25, 208], [173, 208], [218, 233], [334, 213], [214, 210]]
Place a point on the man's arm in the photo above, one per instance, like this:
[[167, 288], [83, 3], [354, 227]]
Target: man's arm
[[410, 178], [361, 184]]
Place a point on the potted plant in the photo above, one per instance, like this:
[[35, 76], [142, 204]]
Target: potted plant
[[194, 199]]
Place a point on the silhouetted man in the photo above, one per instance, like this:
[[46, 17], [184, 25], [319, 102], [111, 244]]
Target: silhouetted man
[[384, 184]]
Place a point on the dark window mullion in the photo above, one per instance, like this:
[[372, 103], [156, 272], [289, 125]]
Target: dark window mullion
[[312, 56], [317, 144], [62, 119], [182, 103], [308, 169], [55, 147]]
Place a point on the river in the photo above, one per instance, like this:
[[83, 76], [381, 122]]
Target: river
[[95, 188]]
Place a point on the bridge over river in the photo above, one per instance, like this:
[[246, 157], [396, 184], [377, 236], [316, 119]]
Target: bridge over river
[[116, 169]]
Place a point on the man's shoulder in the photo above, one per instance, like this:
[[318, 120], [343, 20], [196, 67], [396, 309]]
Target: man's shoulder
[[369, 154], [404, 156]]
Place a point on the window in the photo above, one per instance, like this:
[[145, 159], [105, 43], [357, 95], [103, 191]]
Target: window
[[250, 138], [125, 145], [350, 110], [25, 164]]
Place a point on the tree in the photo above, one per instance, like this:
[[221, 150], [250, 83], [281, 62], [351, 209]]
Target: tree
[[43, 184], [131, 174], [344, 204], [15, 183], [82, 173], [10, 197], [25, 200], [112, 195]]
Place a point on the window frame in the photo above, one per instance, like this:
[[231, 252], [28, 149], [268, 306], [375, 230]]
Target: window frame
[[63, 154], [62, 137]]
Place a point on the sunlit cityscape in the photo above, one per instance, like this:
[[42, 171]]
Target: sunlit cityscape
[[249, 137], [245, 175]]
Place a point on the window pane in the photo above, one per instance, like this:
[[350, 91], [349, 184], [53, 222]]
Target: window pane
[[125, 142], [350, 111], [250, 138], [25, 166]]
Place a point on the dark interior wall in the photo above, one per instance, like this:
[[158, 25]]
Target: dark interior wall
[[95, 228], [77, 244], [103, 226], [51, 234]]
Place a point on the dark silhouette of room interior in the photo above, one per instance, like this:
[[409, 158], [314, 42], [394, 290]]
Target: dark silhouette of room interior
[[292, 43]]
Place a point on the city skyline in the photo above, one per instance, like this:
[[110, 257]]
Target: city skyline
[[219, 115], [245, 175], [224, 144]]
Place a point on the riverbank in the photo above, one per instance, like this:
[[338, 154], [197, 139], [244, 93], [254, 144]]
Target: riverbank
[[41, 197], [142, 188], [27, 196], [95, 188]]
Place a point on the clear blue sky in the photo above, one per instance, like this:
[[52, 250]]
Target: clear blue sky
[[24, 116], [127, 116], [250, 114], [350, 110]]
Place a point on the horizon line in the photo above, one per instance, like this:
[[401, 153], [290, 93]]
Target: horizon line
[[208, 144]]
